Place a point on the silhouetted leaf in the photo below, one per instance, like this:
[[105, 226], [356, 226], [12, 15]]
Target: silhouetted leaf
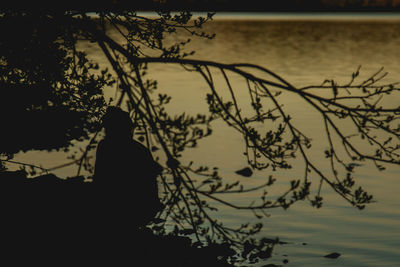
[[173, 163], [157, 220], [333, 255], [246, 172], [187, 231]]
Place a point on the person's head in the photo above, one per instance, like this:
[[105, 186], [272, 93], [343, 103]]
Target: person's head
[[117, 123]]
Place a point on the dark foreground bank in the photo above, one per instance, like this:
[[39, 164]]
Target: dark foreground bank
[[58, 221]]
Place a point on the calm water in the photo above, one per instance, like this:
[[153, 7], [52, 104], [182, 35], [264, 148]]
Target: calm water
[[304, 50]]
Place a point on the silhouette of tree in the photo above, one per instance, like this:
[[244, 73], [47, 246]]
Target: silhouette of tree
[[72, 87]]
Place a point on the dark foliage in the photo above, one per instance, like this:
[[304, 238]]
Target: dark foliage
[[49, 95]]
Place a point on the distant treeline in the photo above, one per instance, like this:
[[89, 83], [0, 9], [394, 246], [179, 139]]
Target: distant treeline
[[216, 5], [264, 6]]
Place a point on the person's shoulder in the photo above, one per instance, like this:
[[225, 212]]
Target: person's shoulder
[[104, 144], [139, 146]]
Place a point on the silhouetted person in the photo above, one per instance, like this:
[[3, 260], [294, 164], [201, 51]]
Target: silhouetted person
[[125, 173]]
